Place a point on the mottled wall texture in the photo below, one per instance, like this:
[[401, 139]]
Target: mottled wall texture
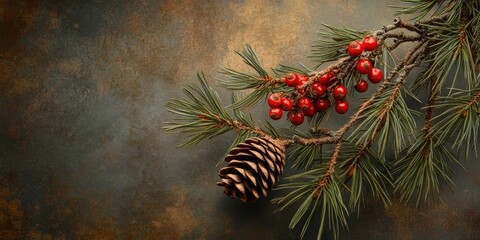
[[83, 84]]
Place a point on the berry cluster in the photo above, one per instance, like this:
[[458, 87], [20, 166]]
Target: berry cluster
[[306, 99], [309, 97], [364, 65]]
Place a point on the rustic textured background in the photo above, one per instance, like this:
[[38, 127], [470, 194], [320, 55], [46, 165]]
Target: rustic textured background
[[82, 91]]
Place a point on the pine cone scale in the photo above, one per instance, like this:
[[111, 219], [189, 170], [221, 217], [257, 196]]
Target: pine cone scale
[[257, 155], [240, 187]]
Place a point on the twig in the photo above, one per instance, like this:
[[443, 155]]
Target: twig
[[404, 24], [330, 170], [399, 40], [475, 99], [240, 126], [431, 20], [320, 130], [432, 94]]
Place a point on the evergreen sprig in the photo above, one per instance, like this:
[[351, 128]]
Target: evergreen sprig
[[451, 56], [420, 8], [262, 82], [365, 171], [459, 118], [302, 156], [325, 202], [421, 168], [283, 70], [332, 43], [203, 116], [201, 113], [340, 166], [387, 116]]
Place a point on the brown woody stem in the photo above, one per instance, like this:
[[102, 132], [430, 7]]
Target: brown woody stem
[[240, 126], [330, 170], [432, 94], [475, 99], [428, 114]]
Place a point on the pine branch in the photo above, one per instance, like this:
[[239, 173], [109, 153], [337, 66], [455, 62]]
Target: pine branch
[[362, 167], [460, 114], [421, 168], [203, 115], [451, 53], [447, 42], [407, 25], [388, 115], [402, 38], [420, 8], [250, 58], [262, 82], [302, 156], [325, 179], [326, 202], [412, 59], [426, 162], [321, 130], [283, 70], [432, 95], [214, 121], [329, 48]]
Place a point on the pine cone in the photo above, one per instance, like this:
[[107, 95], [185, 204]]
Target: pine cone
[[253, 168]]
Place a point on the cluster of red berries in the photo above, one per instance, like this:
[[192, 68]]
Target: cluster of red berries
[[308, 100], [365, 66]]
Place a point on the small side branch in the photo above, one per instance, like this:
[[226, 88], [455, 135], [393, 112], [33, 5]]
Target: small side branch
[[240, 126], [330, 170], [320, 130], [475, 100], [432, 20], [407, 25], [432, 94]]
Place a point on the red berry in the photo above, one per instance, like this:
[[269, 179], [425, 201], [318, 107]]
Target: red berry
[[291, 79], [318, 88], [364, 66], [354, 49], [339, 92], [322, 104], [310, 111], [341, 107], [301, 91], [304, 103], [302, 80], [325, 78], [275, 100], [375, 75], [296, 117], [287, 104], [361, 85], [275, 113], [369, 43]]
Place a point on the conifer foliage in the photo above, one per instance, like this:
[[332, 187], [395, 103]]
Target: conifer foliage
[[339, 167]]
